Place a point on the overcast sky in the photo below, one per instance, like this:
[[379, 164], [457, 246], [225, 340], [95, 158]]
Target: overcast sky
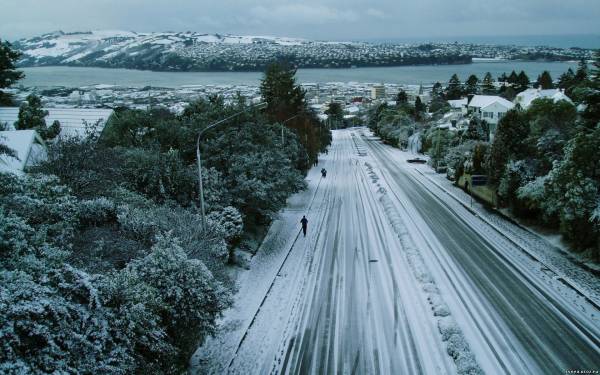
[[325, 20]]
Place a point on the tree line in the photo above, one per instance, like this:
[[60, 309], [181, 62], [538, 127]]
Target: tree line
[[105, 266], [542, 161]]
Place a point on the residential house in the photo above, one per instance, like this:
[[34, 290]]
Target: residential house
[[525, 98], [73, 121], [28, 146], [489, 108]]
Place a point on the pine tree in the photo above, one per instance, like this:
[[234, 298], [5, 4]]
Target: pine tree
[[419, 108], [279, 90], [8, 74], [509, 143], [455, 90], [544, 81], [581, 75], [522, 81], [335, 113], [31, 116], [401, 98], [286, 102], [488, 84], [437, 91], [513, 78], [471, 84], [565, 81]]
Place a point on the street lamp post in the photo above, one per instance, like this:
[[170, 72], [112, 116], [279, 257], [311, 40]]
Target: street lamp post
[[199, 159], [282, 126]]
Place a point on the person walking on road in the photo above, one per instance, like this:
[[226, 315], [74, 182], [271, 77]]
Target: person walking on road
[[304, 223], [323, 173]]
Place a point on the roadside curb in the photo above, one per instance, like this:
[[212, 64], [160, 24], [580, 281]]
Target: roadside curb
[[561, 277]]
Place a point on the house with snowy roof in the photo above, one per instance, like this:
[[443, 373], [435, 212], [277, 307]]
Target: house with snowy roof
[[29, 147], [489, 107], [525, 98], [458, 103], [73, 121]]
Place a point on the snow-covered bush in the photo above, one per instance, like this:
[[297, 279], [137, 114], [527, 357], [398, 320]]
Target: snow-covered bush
[[137, 308], [56, 325], [148, 224], [190, 299], [228, 222], [96, 211]]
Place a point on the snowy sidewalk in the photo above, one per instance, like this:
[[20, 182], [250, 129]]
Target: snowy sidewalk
[[217, 352], [551, 256]]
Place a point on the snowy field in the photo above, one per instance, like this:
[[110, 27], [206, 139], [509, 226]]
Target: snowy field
[[397, 276]]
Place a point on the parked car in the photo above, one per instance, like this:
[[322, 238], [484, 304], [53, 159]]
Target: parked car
[[417, 160], [451, 174]]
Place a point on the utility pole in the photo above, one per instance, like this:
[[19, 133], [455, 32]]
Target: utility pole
[[199, 159]]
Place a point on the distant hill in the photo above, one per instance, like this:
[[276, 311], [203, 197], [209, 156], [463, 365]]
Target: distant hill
[[191, 51]]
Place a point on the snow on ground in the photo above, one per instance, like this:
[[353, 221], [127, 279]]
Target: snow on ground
[[519, 314], [217, 352], [345, 300], [550, 252], [395, 276]]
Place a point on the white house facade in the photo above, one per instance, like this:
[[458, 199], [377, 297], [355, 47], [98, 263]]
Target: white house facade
[[489, 108], [525, 98]]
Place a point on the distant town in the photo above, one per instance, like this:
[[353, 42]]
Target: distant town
[[191, 51]]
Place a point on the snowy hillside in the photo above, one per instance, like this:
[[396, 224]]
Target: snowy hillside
[[191, 51], [82, 48]]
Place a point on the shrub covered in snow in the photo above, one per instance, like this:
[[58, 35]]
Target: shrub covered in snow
[[183, 293], [56, 318]]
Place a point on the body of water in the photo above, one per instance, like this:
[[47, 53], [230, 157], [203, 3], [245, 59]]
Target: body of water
[[410, 75]]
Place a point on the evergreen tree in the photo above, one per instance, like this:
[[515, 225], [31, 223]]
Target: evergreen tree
[[419, 108], [455, 89], [509, 143], [513, 78], [437, 91], [566, 79], [401, 98], [488, 84], [31, 116], [286, 99], [8, 74], [581, 75], [522, 81], [509, 93], [503, 78], [279, 90], [471, 84], [335, 114], [544, 81]]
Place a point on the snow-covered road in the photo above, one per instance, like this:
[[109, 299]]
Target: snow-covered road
[[395, 278]]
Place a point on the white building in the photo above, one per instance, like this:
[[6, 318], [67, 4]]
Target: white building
[[27, 144], [377, 92], [489, 108], [525, 98], [73, 121], [459, 105]]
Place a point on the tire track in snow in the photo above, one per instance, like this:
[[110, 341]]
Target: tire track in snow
[[538, 336], [456, 343]]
